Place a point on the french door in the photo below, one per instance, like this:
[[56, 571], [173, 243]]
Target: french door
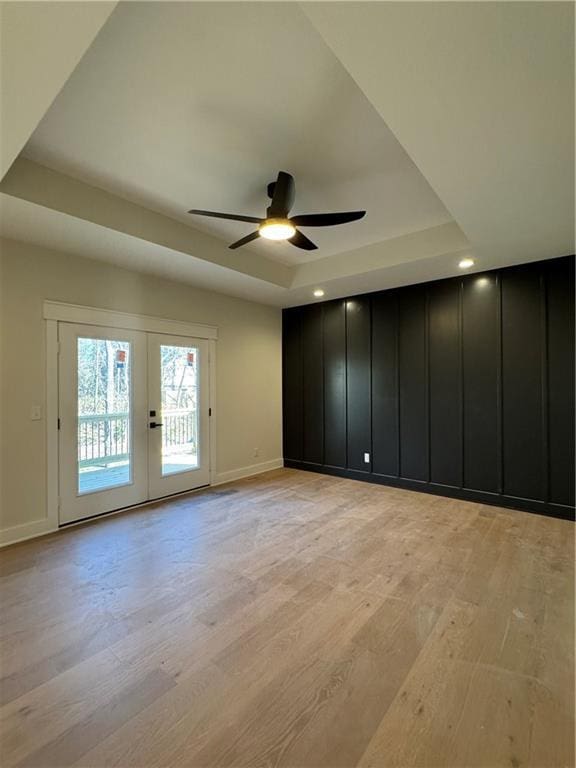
[[133, 418], [178, 434]]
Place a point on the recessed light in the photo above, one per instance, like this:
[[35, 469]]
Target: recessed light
[[466, 263], [318, 293]]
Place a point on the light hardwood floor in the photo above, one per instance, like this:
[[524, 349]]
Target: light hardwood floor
[[292, 619]]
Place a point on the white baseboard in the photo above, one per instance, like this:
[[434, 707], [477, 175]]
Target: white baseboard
[[25, 531], [253, 469]]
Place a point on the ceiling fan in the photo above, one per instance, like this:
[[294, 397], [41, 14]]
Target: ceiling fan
[[277, 225]]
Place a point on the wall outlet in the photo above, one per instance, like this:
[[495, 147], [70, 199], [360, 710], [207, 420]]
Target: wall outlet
[[256, 452], [366, 458]]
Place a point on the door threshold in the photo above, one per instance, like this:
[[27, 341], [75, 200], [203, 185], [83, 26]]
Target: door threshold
[[131, 507]]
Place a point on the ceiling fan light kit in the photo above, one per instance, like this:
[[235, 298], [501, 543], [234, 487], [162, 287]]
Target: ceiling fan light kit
[[277, 229], [277, 225]]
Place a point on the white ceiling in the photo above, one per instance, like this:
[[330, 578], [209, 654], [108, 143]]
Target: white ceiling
[[369, 105], [482, 98], [40, 44], [199, 105]]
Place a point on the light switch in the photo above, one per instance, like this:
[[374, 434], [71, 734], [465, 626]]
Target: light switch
[[366, 458], [35, 413]]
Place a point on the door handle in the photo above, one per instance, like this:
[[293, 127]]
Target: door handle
[[154, 425]]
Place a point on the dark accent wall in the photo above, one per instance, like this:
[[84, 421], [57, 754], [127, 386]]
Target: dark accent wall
[[461, 387]]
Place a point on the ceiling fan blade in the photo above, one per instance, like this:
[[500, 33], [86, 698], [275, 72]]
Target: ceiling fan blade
[[283, 197], [326, 219], [301, 241], [244, 240], [232, 216]]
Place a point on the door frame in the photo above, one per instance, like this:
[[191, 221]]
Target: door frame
[[55, 312]]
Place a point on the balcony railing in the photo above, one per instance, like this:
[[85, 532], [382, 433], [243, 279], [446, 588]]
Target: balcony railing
[[105, 438], [179, 429]]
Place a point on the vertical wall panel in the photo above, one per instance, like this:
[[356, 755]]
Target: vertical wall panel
[[463, 386], [481, 359], [385, 435], [560, 289], [445, 377], [413, 384], [292, 384], [522, 405], [358, 398], [313, 384], [335, 384]]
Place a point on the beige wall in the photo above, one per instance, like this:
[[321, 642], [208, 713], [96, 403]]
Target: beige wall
[[248, 379]]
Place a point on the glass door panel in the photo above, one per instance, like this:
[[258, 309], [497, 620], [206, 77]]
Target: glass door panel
[[104, 414], [178, 392], [179, 397], [103, 428]]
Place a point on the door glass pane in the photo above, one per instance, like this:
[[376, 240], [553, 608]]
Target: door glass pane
[[104, 441], [179, 390]]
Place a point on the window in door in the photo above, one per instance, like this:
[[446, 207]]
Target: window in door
[[104, 419], [179, 399]]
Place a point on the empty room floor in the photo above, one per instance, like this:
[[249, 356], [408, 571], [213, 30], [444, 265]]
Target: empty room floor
[[292, 619]]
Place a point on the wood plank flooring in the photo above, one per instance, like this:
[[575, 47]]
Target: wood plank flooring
[[292, 619]]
